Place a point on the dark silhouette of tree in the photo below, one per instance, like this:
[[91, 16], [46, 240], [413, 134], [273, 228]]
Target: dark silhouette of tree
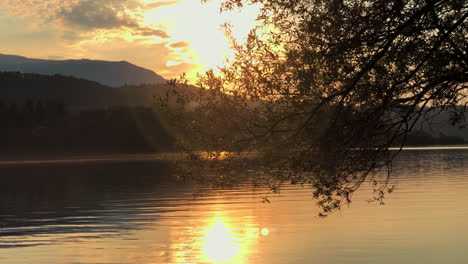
[[325, 87]]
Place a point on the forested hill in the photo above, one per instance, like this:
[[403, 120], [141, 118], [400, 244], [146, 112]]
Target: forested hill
[[111, 73], [18, 88], [40, 130], [58, 115]]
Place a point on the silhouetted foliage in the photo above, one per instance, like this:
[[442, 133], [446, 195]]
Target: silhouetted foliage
[[322, 89]]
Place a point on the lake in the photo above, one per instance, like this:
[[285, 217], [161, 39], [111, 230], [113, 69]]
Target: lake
[[133, 211]]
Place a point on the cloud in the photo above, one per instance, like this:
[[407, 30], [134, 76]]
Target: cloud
[[93, 14], [180, 44], [148, 32], [160, 3], [108, 14], [83, 16]]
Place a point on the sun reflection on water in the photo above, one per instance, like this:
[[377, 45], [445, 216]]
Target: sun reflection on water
[[220, 239], [265, 231], [220, 243], [215, 155]]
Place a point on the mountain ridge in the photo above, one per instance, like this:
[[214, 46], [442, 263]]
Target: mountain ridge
[[110, 73]]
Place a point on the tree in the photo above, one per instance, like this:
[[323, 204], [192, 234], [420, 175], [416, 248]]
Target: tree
[[326, 87]]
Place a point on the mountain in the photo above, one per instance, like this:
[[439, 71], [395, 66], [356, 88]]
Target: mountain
[[109, 73]]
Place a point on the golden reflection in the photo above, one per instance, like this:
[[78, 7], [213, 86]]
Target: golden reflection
[[219, 239], [219, 244], [214, 155], [265, 231]]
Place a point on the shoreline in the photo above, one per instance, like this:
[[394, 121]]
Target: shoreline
[[149, 157], [89, 159]]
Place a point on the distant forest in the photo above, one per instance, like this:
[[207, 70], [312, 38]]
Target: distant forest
[[423, 138], [60, 115], [37, 128], [75, 93]]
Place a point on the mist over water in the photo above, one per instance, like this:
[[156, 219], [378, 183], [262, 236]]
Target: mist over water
[[135, 212]]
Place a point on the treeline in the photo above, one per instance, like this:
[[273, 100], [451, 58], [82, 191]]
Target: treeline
[[42, 114], [423, 138], [49, 128], [75, 93]]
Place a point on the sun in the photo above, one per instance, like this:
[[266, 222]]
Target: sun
[[199, 24]]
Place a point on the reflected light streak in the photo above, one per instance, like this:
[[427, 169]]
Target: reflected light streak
[[220, 244], [220, 240], [215, 155]]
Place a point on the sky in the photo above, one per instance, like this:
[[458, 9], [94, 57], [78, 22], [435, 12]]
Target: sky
[[170, 37]]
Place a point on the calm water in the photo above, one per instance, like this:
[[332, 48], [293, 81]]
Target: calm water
[[133, 212]]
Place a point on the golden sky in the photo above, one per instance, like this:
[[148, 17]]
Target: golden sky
[[169, 37]]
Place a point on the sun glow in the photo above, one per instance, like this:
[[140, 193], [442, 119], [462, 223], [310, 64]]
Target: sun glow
[[265, 231], [199, 25]]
